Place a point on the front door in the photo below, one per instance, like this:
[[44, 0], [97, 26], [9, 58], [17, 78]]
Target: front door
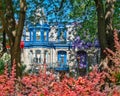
[[62, 58], [82, 59]]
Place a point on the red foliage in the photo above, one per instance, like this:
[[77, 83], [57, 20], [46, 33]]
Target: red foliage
[[114, 69], [7, 83], [94, 84], [47, 85]]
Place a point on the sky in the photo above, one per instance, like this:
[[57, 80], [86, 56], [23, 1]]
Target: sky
[[50, 10], [57, 16]]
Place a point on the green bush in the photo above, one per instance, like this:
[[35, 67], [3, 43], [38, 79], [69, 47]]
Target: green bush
[[1, 66], [118, 78]]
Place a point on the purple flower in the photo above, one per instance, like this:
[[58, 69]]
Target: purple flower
[[78, 38], [96, 44], [81, 44], [89, 44]]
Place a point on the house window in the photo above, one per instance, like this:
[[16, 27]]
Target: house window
[[45, 36], [61, 36], [38, 35], [31, 35], [62, 58], [37, 58], [30, 54], [27, 35], [46, 56]]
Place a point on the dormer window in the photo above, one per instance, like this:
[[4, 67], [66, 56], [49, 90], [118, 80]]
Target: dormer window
[[45, 32], [61, 36], [45, 36], [27, 35], [38, 35]]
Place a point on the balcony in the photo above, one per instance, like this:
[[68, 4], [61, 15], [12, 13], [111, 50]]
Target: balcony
[[47, 44]]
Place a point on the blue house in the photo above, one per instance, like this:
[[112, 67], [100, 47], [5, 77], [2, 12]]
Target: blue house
[[48, 44]]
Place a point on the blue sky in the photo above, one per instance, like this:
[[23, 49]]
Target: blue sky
[[50, 7], [57, 16]]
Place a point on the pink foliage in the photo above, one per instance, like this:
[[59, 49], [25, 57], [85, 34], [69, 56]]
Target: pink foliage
[[47, 85], [94, 84]]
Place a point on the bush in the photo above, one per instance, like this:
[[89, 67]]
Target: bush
[[1, 66], [96, 83], [48, 85]]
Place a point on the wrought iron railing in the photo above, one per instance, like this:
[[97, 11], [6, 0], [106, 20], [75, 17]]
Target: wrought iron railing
[[57, 66]]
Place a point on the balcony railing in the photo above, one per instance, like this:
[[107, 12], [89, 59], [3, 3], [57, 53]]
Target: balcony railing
[[56, 66]]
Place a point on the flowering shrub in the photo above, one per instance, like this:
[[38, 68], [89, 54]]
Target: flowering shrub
[[47, 85], [7, 82], [95, 83], [114, 68]]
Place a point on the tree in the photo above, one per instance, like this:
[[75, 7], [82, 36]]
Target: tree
[[116, 15], [104, 12], [105, 25], [83, 11], [13, 29]]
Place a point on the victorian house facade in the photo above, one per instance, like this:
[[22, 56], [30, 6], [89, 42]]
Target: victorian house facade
[[50, 45]]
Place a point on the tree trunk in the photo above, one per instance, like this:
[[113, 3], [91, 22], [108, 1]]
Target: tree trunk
[[4, 42], [101, 27], [105, 28], [109, 11], [14, 32], [4, 49], [16, 55]]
